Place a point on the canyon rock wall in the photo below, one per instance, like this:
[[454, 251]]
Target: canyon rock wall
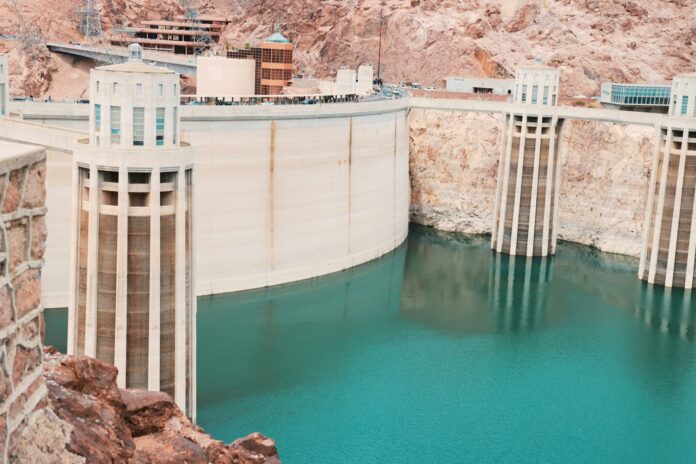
[[422, 40], [605, 169]]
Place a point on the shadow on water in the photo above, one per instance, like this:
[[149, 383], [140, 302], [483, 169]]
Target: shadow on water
[[246, 334]]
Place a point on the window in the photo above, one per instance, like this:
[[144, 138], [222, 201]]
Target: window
[[174, 89], [116, 125], [114, 88], [160, 90], [685, 104], [2, 69], [138, 127], [545, 100], [175, 120], [2, 99], [159, 127], [535, 92], [524, 94], [96, 87], [138, 89], [97, 117]]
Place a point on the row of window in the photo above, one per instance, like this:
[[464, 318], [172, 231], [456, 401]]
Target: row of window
[[138, 125], [535, 95], [640, 95], [684, 110], [138, 89]]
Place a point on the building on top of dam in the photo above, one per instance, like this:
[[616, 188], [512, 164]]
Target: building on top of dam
[[4, 86], [274, 68], [668, 255], [525, 218], [132, 298], [480, 85], [653, 98], [183, 36]]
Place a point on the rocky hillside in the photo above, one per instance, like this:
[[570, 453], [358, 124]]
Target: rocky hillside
[[605, 169], [423, 40]]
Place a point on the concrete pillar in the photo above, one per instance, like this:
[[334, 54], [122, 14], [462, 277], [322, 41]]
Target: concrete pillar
[[121, 317], [92, 264], [153, 371], [180, 328], [527, 193], [669, 241]]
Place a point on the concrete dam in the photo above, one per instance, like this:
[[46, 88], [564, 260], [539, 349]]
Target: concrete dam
[[285, 193], [281, 193]]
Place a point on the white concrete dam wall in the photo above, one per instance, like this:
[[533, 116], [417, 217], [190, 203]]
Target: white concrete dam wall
[[277, 200]]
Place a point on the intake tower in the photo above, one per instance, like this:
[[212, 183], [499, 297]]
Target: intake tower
[[669, 237], [525, 219], [132, 299]]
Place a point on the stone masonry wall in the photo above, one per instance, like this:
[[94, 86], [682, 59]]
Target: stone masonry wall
[[22, 243]]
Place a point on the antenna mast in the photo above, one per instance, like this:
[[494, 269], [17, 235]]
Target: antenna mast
[[379, 52]]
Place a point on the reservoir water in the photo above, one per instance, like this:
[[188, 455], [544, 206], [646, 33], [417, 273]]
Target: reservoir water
[[444, 352]]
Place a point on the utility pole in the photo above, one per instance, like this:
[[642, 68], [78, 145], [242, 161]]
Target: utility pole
[[379, 52], [90, 21]]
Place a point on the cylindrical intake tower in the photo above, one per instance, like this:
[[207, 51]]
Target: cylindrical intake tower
[[132, 301], [528, 172], [668, 255]]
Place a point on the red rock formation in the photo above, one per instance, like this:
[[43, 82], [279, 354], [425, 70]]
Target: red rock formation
[[134, 426], [423, 40]]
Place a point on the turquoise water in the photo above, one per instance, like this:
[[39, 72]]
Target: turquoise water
[[443, 352]]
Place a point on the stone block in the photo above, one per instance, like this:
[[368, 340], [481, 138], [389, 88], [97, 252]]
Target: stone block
[[27, 288], [38, 237], [13, 197], [17, 410], [35, 188], [6, 307], [17, 232], [32, 328], [25, 360]]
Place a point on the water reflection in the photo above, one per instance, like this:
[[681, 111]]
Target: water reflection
[[670, 311], [519, 291], [456, 284]]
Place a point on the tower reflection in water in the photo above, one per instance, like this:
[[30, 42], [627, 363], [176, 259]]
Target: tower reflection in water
[[454, 284], [668, 310], [518, 291]]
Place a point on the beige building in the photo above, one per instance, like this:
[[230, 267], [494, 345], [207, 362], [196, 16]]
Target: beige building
[[4, 86], [525, 218], [668, 256], [218, 76], [132, 298]]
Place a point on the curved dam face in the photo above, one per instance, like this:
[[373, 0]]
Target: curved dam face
[[281, 194]]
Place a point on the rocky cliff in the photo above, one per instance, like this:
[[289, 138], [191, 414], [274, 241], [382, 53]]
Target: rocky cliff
[[605, 169], [423, 40], [86, 418]]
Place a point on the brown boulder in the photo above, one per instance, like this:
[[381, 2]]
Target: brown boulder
[[148, 412], [99, 432], [85, 375], [165, 448], [255, 449]]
